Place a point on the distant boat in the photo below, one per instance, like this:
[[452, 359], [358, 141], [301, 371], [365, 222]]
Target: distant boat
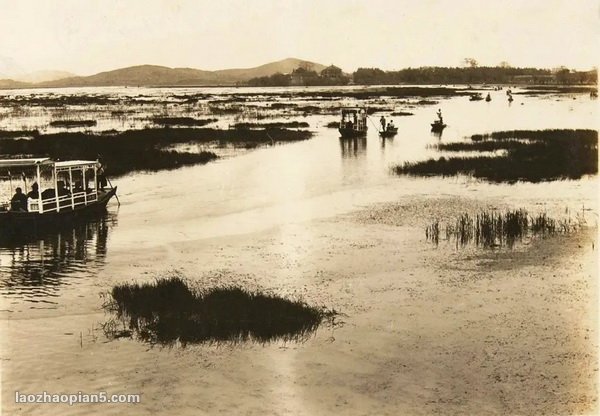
[[476, 97], [438, 126], [353, 122]]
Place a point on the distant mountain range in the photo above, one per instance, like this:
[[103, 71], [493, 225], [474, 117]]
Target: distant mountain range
[[154, 75]]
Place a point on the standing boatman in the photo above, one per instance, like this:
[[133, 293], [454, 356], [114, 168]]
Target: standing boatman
[[382, 121]]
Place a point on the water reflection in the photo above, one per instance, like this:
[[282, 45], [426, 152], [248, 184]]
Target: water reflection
[[354, 147], [386, 141], [38, 265], [437, 134]]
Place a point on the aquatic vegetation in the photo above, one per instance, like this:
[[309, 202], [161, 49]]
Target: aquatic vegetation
[[73, 123], [333, 125], [182, 121], [10, 134], [401, 113], [557, 89], [169, 310], [278, 106], [289, 124], [58, 100], [432, 232], [307, 109], [531, 156], [426, 102], [490, 229], [225, 109], [143, 149]]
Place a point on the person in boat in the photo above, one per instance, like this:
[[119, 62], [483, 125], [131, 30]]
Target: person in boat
[[102, 181], [382, 121], [390, 126], [440, 118], [63, 190], [34, 193], [78, 187], [19, 201]]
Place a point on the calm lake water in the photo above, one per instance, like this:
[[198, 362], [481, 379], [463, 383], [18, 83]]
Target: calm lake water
[[249, 191]]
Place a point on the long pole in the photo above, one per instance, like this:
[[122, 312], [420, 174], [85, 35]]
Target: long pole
[[108, 180], [374, 125], [112, 187], [39, 182], [55, 175]]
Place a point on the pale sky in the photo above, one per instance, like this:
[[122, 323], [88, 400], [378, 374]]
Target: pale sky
[[88, 36]]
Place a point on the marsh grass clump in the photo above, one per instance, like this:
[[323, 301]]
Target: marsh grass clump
[[169, 311], [289, 124], [490, 229], [73, 123], [531, 156], [12, 134], [143, 149], [182, 121], [432, 232]]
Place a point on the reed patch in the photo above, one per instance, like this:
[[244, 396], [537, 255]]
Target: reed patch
[[528, 155], [170, 311], [490, 229]]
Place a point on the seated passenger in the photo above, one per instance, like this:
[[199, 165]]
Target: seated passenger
[[18, 201], [62, 189], [34, 193], [78, 187], [391, 126]]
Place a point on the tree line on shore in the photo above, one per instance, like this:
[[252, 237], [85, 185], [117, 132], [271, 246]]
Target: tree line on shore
[[332, 75]]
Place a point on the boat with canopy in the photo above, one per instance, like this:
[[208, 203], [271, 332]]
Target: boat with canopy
[[45, 192], [353, 122]]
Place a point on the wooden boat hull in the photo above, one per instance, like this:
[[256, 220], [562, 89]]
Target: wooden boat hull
[[388, 133], [17, 222], [350, 133], [437, 126]]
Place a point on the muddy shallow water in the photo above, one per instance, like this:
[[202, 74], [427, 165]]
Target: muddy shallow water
[[284, 218]]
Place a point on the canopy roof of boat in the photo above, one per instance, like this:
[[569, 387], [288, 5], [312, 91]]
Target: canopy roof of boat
[[352, 110], [74, 163], [10, 163]]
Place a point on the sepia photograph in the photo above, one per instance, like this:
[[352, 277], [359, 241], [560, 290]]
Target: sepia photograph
[[299, 207]]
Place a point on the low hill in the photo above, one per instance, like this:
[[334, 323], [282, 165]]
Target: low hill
[[146, 75], [155, 75], [284, 67]]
